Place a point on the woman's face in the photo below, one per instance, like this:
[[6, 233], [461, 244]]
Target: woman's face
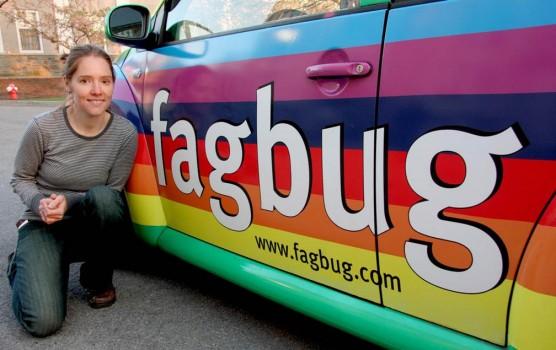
[[91, 86]]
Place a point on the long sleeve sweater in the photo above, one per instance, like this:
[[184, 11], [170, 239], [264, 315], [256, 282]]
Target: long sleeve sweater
[[53, 158]]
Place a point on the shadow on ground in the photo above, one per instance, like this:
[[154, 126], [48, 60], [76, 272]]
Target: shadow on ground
[[145, 260]]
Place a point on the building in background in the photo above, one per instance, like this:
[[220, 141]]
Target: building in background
[[18, 37], [30, 58]]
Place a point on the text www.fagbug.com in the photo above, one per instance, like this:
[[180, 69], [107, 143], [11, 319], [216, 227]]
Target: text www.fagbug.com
[[320, 261]]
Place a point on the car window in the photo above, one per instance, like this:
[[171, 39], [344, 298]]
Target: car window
[[192, 18]]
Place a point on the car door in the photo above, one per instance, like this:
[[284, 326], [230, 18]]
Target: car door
[[467, 95], [260, 117]]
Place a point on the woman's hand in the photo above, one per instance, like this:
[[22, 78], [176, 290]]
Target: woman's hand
[[53, 208]]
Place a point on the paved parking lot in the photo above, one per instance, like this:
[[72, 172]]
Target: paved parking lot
[[163, 303]]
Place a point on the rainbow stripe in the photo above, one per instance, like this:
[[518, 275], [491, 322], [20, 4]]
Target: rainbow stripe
[[481, 70], [478, 70], [534, 309]]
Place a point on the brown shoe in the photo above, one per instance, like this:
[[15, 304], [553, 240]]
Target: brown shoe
[[105, 298]]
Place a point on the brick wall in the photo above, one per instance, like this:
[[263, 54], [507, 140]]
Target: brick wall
[[33, 87], [30, 65], [36, 76]]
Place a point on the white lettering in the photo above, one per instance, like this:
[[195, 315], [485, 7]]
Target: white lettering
[[333, 180], [267, 137], [488, 265], [232, 134], [158, 127], [189, 155]]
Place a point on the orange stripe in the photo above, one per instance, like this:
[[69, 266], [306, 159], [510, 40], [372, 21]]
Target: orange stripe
[[309, 222], [313, 222], [142, 180], [513, 233], [538, 269]]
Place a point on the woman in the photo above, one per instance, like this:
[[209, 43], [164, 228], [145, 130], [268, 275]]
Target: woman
[[70, 169]]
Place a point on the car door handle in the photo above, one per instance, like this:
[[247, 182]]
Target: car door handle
[[137, 73], [342, 69]]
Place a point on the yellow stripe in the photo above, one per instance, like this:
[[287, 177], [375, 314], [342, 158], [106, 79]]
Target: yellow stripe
[[532, 320], [203, 225], [146, 209], [482, 315]]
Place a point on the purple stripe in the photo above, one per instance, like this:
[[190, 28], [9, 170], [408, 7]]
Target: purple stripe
[[122, 91], [513, 61], [238, 81]]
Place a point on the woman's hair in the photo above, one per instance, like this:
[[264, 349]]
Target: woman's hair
[[76, 53]]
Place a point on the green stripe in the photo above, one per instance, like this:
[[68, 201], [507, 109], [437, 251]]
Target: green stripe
[[372, 2], [149, 234], [363, 319]]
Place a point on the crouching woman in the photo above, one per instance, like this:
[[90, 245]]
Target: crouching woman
[[70, 168]]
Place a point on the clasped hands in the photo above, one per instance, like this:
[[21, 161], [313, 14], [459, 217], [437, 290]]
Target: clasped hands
[[53, 208]]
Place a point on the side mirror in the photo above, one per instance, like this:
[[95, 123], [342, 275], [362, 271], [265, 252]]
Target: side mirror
[[128, 25]]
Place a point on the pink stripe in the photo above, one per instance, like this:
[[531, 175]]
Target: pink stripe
[[512, 61], [238, 81]]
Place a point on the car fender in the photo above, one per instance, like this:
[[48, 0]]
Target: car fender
[[145, 203], [533, 305]]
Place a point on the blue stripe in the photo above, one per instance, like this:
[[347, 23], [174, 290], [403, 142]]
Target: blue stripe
[[126, 109], [454, 17], [309, 116], [129, 111], [350, 30], [407, 117]]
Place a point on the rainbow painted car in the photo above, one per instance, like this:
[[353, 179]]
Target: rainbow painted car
[[386, 167]]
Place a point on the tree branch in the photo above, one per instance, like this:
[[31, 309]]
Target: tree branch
[[65, 26]]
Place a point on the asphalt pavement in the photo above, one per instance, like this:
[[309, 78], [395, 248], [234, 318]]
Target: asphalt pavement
[[163, 303]]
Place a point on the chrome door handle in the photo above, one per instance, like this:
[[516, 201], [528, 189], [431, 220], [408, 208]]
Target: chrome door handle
[[342, 69]]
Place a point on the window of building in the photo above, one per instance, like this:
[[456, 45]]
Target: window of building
[[1, 42], [29, 38]]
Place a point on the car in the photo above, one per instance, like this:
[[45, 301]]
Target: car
[[385, 167]]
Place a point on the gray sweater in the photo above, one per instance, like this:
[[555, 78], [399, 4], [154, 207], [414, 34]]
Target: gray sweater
[[53, 158]]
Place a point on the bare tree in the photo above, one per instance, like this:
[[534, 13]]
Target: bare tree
[[63, 25], [309, 6]]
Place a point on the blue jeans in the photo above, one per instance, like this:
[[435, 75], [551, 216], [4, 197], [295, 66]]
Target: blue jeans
[[38, 272]]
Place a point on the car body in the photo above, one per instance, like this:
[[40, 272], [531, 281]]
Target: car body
[[388, 168]]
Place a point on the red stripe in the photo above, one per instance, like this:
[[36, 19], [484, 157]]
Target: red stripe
[[143, 156], [524, 190], [549, 217], [249, 171]]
